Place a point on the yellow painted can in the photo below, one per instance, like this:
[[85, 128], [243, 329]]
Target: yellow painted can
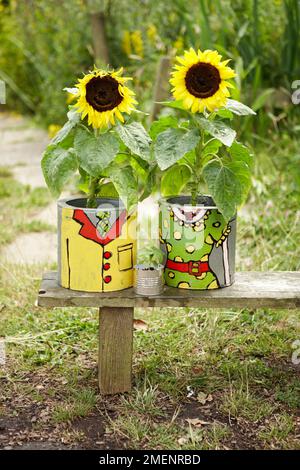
[[96, 247]]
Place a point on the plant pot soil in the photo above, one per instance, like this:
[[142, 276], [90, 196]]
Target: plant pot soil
[[96, 247], [199, 244]]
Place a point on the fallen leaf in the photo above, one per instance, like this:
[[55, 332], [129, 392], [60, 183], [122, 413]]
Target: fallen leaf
[[203, 398], [182, 440], [140, 325], [197, 422]]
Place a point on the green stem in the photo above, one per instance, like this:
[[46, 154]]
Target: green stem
[[92, 201], [197, 171]]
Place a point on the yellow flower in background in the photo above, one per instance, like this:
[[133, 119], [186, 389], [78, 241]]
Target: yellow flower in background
[[126, 43], [53, 130], [200, 80], [137, 43], [104, 96], [151, 33], [178, 44]]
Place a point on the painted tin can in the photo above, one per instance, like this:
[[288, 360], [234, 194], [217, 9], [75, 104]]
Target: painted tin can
[[148, 281], [96, 247], [198, 242]]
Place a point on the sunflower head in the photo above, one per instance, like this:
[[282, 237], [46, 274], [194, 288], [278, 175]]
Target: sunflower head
[[102, 96], [199, 80]]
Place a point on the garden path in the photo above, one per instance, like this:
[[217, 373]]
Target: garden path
[[21, 147]]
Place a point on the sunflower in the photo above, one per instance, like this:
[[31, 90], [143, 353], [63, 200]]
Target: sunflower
[[200, 80], [102, 96]]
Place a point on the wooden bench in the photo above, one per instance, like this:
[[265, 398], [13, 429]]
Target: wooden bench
[[251, 290]]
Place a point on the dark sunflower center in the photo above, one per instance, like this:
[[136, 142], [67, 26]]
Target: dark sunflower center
[[102, 93], [202, 80]]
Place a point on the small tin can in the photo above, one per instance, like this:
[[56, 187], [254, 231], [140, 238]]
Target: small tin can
[[148, 281]]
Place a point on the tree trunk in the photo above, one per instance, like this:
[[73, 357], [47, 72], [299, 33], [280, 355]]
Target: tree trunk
[[161, 88], [101, 55]]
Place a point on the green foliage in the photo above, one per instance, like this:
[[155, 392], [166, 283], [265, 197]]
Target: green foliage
[[162, 124], [107, 167], [41, 53], [239, 108], [150, 256], [125, 184], [58, 165], [217, 129], [228, 183], [173, 144], [188, 152], [64, 132], [174, 180], [135, 138], [95, 153]]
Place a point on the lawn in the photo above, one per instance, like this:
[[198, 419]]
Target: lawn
[[203, 379]]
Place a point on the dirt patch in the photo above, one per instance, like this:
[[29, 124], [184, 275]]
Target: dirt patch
[[243, 434], [37, 445]]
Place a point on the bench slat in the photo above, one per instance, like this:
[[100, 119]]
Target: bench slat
[[280, 289]]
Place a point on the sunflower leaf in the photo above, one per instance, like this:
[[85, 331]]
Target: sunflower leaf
[[73, 119], [172, 144], [135, 137], [228, 184], [217, 129], [238, 108], [149, 184], [173, 104], [95, 153], [240, 152], [125, 184], [224, 113], [62, 133], [211, 148], [107, 190], [165, 122], [174, 180], [58, 165]]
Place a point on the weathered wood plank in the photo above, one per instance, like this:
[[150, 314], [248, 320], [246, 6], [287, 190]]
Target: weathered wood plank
[[115, 349], [251, 290]]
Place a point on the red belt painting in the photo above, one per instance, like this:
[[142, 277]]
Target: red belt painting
[[195, 268]]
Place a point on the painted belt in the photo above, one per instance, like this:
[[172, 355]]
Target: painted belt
[[195, 268]]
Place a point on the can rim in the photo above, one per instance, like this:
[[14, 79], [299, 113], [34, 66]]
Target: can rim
[[166, 201], [115, 204]]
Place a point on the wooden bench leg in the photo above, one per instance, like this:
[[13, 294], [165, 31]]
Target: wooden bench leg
[[115, 349]]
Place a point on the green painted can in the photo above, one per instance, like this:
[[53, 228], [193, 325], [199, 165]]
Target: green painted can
[[198, 242]]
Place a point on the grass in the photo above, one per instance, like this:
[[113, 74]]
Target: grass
[[80, 405], [18, 203], [240, 359], [278, 430]]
